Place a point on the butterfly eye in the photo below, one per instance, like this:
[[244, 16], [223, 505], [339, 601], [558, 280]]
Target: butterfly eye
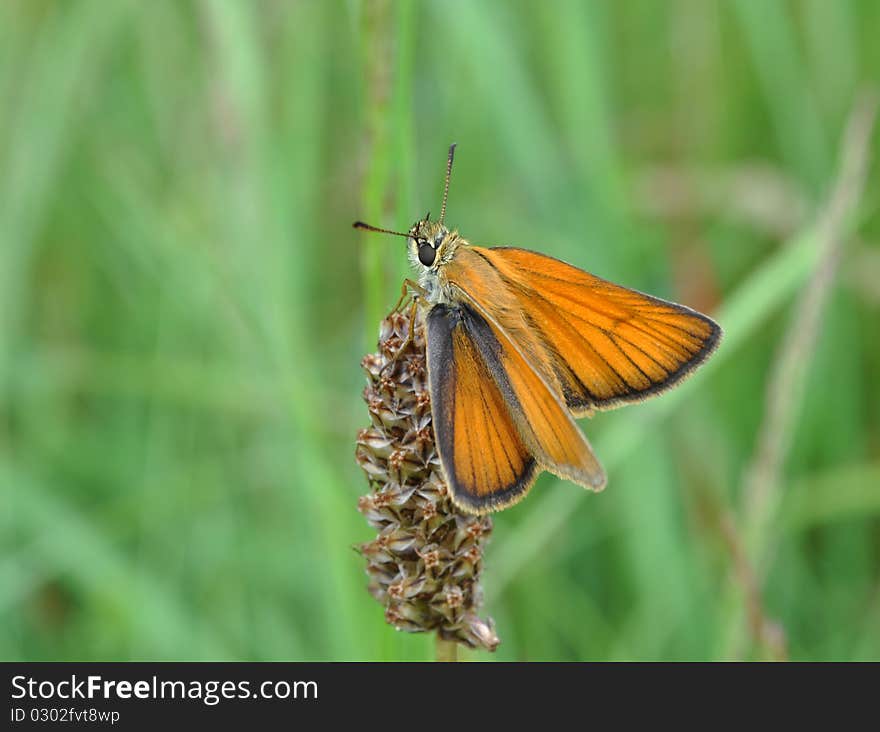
[[427, 253]]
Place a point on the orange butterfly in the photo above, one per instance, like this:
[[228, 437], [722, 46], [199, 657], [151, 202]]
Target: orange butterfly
[[517, 343]]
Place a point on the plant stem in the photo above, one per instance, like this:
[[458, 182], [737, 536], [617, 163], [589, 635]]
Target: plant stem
[[447, 650]]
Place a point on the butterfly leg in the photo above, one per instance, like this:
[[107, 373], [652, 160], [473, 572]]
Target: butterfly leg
[[413, 309], [408, 285]]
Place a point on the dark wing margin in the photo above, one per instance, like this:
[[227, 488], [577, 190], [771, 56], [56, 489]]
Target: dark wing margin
[[487, 465]]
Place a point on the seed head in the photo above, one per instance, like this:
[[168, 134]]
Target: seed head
[[424, 564]]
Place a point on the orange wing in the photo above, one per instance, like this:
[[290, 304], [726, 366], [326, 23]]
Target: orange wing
[[485, 460], [495, 419], [601, 345]]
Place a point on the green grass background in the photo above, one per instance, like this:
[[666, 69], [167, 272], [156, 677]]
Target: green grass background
[[184, 305]]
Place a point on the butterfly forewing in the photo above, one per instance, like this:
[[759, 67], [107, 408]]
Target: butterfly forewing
[[603, 344], [494, 415], [486, 462]]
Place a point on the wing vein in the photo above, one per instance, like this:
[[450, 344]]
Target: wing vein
[[612, 337], [494, 427]]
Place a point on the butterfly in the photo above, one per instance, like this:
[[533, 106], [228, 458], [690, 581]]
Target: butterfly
[[518, 345]]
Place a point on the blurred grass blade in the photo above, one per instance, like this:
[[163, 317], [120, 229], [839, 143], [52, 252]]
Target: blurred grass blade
[[799, 128], [54, 533], [65, 61], [849, 492]]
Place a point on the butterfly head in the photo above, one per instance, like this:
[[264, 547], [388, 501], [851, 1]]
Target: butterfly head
[[428, 243]]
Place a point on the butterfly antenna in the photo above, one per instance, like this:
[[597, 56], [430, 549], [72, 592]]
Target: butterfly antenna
[[446, 186], [368, 227]]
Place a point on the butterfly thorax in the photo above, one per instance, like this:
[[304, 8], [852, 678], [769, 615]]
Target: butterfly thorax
[[431, 246]]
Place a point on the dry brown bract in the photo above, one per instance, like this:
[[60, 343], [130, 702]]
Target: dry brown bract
[[424, 565]]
